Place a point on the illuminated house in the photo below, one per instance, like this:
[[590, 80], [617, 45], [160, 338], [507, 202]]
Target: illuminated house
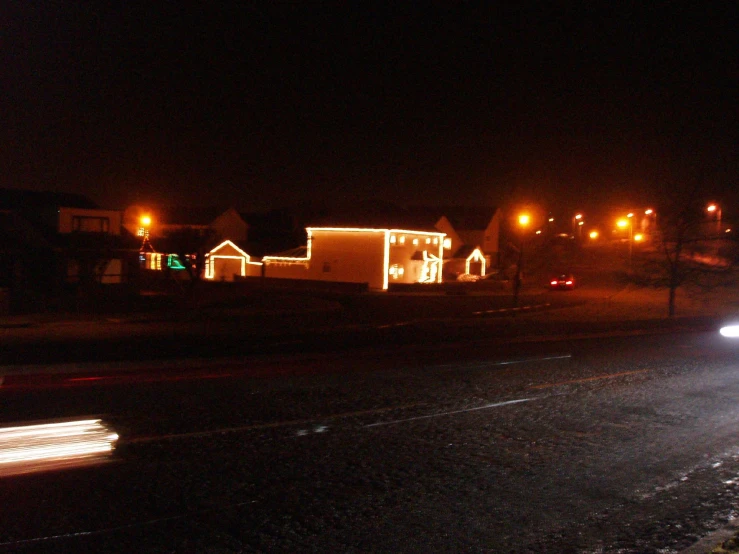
[[475, 239], [374, 256], [227, 262]]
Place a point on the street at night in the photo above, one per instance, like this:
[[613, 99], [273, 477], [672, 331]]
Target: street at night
[[586, 445], [385, 277]]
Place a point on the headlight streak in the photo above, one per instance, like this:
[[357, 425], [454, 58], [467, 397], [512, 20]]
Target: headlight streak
[[47, 446], [730, 331]]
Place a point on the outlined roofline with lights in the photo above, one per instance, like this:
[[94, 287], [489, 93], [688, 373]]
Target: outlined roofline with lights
[[213, 255], [431, 270]]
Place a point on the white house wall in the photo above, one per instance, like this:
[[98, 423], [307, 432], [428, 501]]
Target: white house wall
[[67, 215], [404, 247], [348, 256]]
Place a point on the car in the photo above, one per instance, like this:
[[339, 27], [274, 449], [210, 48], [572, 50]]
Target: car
[[564, 281]]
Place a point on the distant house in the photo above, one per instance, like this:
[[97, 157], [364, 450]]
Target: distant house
[[475, 237], [227, 262], [173, 224], [179, 237], [472, 232], [83, 243]]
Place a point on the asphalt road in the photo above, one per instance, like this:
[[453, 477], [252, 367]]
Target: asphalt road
[[621, 444]]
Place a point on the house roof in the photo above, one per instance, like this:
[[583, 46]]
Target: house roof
[[468, 217], [299, 252], [24, 200], [464, 251]]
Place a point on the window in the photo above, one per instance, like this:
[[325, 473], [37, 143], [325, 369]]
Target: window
[[392, 239], [402, 239], [83, 224], [448, 244], [396, 271]]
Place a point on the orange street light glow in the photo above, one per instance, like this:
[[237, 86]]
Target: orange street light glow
[[649, 212], [638, 237], [145, 220], [711, 208], [630, 214], [622, 223], [524, 219], [593, 234]]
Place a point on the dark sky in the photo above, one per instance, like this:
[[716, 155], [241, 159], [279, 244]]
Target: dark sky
[[271, 104]]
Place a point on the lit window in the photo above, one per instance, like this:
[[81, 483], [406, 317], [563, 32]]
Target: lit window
[[428, 241], [415, 242], [436, 241], [448, 244], [392, 239], [402, 239], [396, 271]]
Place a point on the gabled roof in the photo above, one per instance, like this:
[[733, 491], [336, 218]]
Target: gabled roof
[[468, 217], [464, 251], [229, 245]]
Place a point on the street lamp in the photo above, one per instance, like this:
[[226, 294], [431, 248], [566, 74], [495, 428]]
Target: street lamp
[[624, 223], [714, 208], [523, 222], [575, 220], [145, 222]]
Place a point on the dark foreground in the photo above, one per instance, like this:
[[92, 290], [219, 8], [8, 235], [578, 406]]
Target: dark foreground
[[605, 444]]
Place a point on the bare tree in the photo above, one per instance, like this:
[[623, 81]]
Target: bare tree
[[689, 247]]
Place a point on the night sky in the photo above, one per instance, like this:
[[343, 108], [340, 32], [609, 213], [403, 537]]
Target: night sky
[[273, 104]]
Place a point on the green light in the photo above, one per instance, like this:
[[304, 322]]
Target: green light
[[174, 263]]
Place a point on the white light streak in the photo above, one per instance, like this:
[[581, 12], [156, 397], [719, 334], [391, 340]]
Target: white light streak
[[730, 331], [41, 447]]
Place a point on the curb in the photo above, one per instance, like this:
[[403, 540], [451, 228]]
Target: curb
[[712, 540]]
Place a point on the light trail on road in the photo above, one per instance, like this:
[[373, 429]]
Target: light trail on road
[[47, 446]]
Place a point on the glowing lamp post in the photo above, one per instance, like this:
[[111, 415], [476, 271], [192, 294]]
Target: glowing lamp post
[[577, 224], [523, 222], [715, 209], [145, 222], [623, 223]]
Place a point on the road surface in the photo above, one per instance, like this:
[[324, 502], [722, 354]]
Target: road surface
[[606, 444]]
